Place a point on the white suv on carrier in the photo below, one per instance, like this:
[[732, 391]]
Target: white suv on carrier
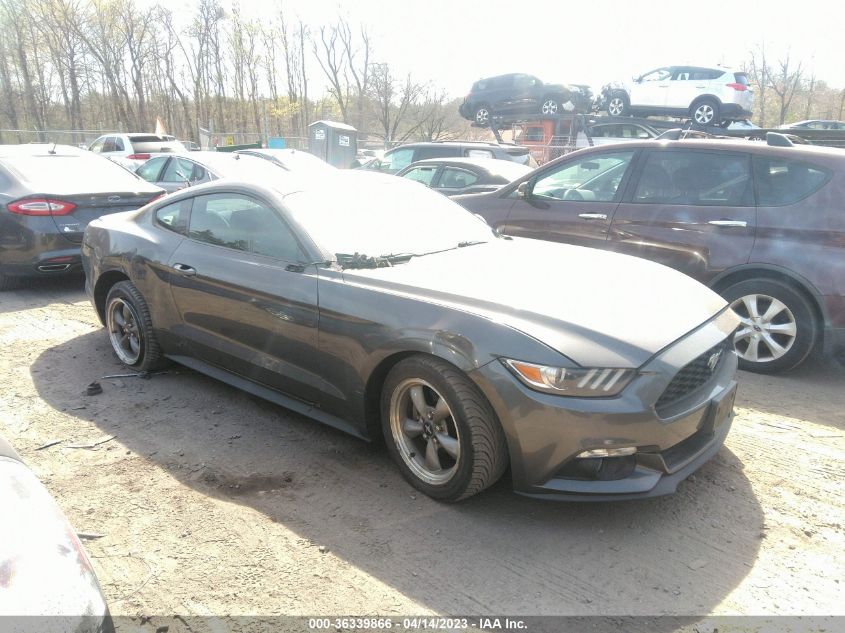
[[708, 96]]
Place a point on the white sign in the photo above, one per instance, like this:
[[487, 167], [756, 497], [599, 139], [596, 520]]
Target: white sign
[[343, 141], [319, 134]]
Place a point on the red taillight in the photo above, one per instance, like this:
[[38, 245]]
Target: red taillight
[[738, 87], [41, 206], [139, 156]]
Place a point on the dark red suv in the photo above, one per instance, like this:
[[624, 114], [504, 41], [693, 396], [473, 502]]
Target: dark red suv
[[762, 225]]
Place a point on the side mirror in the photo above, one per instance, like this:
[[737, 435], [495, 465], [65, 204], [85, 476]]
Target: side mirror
[[523, 190], [637, 79]]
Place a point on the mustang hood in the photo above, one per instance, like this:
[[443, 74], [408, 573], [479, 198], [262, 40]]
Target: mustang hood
[[597, 308]]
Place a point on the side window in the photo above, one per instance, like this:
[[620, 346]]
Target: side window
[[781, 181], [454, 178], [633, 131], [478, 153], [242, 223], [175, 216], [199, 173], [695, 178], [118, 144], [399, 159], [594, 179], [178, 170], [108, 144], [422, 174], [658, 75], [436, 152], [150, 170], [97, 146]]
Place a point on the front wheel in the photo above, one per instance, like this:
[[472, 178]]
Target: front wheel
[[440, 430], [482, 115], [778, 329], [130, 328]]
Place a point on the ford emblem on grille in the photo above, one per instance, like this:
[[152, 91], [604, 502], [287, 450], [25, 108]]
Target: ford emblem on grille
[[714, 359], [114, 198]]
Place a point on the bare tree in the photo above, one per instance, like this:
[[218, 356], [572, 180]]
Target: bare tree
[[785, 82], [332, 59], [393, 100]]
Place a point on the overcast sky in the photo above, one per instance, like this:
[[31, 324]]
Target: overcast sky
[[452, 43]]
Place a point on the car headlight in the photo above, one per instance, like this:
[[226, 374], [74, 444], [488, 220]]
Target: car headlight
[[566, 381]]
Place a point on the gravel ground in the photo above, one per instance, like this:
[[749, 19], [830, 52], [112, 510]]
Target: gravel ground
[[214, 502]]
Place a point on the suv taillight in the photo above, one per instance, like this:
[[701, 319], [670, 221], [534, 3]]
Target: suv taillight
[[738, 87], [41, 206], [138, 157]]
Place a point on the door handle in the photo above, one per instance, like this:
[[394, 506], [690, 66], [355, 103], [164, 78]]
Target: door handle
[[183, 269], [593, 216], [739, 223]]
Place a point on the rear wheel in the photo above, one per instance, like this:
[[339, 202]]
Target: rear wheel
[[8, 283], [440, 430], [550, 106], [706, 112], [779, 327], [131, 329]]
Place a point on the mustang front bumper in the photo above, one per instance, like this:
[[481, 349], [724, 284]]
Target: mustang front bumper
[[546, 433]]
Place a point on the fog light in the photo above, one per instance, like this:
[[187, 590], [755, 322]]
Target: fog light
[[607, 452]]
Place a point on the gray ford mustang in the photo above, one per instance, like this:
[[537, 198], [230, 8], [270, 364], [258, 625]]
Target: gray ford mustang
[[382, 308]]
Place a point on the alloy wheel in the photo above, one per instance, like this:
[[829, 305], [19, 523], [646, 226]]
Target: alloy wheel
[[768, 328], [124, 331], [482, 116], [549, 107], [616, 106], [704, 114], [425, 432]]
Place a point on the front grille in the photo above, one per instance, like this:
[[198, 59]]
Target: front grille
[[693, 375]]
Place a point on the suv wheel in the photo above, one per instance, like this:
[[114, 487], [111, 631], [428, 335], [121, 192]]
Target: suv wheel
[[482, 115], [617, 105], [550, 106], [706, 112], [778, 328]]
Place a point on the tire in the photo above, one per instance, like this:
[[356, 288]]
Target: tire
[[482, 114], [783, 333], [130, 328], [618, 105], [706, 112], [550, 106], [458, 427], [8, 283]]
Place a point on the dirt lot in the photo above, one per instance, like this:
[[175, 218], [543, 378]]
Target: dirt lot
[[212, 501]]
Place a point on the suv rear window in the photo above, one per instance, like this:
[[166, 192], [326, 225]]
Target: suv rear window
[[741, 78], [781, 181]]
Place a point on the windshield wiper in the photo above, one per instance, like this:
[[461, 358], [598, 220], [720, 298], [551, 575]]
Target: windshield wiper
[[359, 260]]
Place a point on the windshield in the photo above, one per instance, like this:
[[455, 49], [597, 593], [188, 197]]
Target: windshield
[[384, 218]]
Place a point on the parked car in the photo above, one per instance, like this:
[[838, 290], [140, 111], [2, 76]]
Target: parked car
[[518, 94], [175, 172], [44, 570], [759, 224], [615, 132], [816, 124], [708, 96], [290, 159], [453, 176], [398, 158], [136, 147], [48, 194], [378, 306]]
